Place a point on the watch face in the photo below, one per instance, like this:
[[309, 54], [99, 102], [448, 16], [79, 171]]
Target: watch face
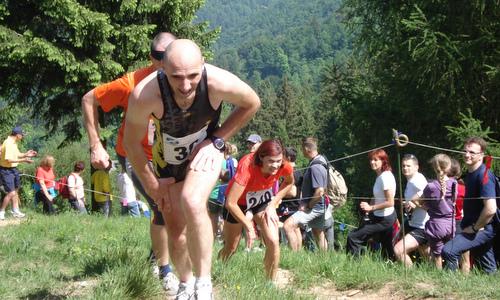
[[218, 143]]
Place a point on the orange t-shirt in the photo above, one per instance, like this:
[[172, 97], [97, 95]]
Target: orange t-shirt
[[115, 94], [47, 176], [258, 189]]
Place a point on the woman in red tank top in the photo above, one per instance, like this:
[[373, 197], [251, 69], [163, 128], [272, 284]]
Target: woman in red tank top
[[251, 189]]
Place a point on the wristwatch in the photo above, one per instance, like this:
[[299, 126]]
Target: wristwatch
[[218, 143], [474, 228]]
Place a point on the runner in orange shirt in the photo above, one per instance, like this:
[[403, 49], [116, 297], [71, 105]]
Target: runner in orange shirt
[[251, 189], [115, 94]]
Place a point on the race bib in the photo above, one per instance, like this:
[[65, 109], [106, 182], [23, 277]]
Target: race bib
[[256, 198], [176, 150]]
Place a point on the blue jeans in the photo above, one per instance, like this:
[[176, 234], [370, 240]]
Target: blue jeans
[[480, 246], [133, 209]]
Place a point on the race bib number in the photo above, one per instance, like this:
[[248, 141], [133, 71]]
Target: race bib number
[[256, 198], [177, 150]]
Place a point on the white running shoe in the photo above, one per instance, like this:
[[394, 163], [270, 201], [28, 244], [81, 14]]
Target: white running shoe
[[185, 291], [2, 215], [204, 292], [171, 284], [17, 214]]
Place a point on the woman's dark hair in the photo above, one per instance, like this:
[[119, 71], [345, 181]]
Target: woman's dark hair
[[267, 148], [381, 155], [79, 166]]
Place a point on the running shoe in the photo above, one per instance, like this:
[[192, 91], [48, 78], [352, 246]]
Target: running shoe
[[171, 284], [204, 292], [2, 215], [185, 291], [17, 214]]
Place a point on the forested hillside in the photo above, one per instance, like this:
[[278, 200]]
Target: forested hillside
[[349, 71], [281, 47]]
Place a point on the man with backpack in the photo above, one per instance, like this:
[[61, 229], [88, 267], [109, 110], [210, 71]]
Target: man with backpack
[[479, 210], [313, 208]]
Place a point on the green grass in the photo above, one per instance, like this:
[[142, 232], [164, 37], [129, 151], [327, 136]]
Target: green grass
[[90, 257]]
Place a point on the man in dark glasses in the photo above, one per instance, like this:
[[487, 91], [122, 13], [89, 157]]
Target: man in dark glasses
[[115, 94]]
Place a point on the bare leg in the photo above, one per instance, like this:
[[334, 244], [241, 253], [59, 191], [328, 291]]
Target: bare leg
[[401, 254], [7, 199], [159, 243], [319, 236], [177, 244], [270, 235], [232, 237], [465, 263], [293, 234], [194, 197]]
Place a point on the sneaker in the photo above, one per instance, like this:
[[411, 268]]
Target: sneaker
[[171, 284], [2, 215], [18, 214], [204, 292], [185, 291], [156, 270]]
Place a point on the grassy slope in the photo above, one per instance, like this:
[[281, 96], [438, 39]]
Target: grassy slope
[[89, 257]]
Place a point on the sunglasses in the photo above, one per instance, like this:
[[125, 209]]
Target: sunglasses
[[158, 55]]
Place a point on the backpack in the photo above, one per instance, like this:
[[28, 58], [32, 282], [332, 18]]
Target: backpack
[[336, 189], [62, 187]]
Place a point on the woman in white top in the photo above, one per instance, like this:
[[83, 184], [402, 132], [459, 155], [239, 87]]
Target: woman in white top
[[76, 190], [380, 213]]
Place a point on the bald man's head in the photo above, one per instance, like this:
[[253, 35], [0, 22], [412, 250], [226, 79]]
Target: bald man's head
[[183, 50]]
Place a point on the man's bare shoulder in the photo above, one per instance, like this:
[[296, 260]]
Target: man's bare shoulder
[[146, 95]]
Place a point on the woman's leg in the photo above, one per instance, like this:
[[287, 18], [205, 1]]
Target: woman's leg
[[270, 236], [232, 236]]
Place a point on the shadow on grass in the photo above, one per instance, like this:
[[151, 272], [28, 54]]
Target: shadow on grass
[[43, 294]]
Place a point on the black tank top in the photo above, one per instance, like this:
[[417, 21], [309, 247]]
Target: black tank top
[[179, 131]]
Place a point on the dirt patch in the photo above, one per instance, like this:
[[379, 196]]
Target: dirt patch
[[9, 222], [80, 288], [327, 290]]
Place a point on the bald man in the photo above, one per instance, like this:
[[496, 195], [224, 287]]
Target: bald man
[[115, 94], [185, 101]]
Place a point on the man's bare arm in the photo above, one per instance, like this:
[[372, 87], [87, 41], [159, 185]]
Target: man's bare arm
[[225, 86], [99, 156]]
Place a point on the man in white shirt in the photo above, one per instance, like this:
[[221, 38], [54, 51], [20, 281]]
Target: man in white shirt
[[414, 229]]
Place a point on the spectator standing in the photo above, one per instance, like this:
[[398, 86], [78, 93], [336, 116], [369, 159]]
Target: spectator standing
[[45, 182], [10, 158], [479, 208], [76, 189], [313, 208], [253, 142], [128, 196], [102, 191]]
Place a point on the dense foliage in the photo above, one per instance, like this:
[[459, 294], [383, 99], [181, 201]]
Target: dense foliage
[[52, 52]]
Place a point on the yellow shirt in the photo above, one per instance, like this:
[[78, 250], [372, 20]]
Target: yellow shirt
[[9, 151], [100, 180]]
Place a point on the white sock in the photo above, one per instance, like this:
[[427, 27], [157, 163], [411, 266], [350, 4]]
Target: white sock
[[203, 281]]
